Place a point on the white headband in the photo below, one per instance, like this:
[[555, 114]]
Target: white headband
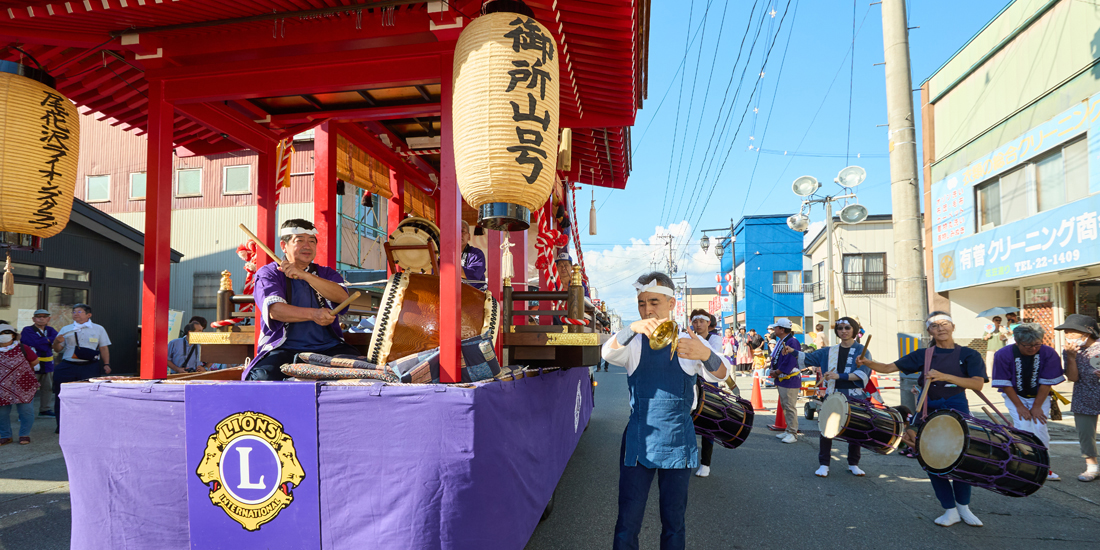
[[703, 317], [291, 231], [936, 318], [653, 287]]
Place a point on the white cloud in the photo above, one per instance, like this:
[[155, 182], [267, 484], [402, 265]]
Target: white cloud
[[612, 270]]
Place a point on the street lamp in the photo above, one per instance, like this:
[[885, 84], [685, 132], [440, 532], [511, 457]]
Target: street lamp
[[807, 186], [704, 243], [719, 251]]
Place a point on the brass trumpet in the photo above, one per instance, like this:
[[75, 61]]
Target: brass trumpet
[[666, 334]]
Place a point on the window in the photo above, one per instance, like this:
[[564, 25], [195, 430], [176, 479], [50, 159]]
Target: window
[[1062, 177], [864, 273], [1003, 200], [189, 182], [819, 281], [50, 288], [205, 295], [137, 186], [99, 189], [236, 180], [786, 282]]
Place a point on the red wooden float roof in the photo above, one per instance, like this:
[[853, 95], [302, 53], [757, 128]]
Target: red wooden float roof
[[245, 72]]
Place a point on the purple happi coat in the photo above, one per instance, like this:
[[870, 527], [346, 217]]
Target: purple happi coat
[[270, 289]]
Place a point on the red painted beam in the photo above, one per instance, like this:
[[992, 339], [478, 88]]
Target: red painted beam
[[450, 219], [358, 115], [324, 193], [22, 34], [341, 71], [396, 206], [158, 238], [226, 120]]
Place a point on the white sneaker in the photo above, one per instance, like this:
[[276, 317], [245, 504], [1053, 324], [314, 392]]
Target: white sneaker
[[789, 438], [822, 471], [967, 515], [856, 471], [703, 471], [781, 435], [1053, 476], [950, 517]]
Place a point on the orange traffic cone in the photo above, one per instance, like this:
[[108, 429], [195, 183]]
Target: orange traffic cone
[[780, 418], [757, 399]]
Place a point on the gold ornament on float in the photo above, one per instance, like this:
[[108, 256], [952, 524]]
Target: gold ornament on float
[[38, 152], [506, 101]]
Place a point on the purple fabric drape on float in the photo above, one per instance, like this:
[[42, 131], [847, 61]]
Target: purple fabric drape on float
[[124, 450], [423, 467]]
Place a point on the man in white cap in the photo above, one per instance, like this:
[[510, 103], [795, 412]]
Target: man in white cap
[[40, 337], [786, 374]]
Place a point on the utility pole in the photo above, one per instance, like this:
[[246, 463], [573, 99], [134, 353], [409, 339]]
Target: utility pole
[[829, 334], [904, 183]]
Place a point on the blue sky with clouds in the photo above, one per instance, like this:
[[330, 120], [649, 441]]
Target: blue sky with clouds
[[811, 108]]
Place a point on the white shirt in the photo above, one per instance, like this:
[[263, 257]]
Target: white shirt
[[91, 336], [630, 355]]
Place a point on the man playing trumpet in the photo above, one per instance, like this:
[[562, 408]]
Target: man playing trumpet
[[659, 437]]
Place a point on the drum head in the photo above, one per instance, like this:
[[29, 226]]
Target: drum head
[[834, 415], [414, 232], [941, 443]]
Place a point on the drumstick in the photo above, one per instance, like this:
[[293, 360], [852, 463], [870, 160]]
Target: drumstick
[[260, 244], [354, 296], [865, 346], [923, 395], [990, 415]]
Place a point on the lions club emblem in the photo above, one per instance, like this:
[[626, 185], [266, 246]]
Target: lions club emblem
[[251, 468]]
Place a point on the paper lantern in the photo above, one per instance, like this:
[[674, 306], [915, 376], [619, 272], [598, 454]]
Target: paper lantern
[[505, 108], [38, 152]]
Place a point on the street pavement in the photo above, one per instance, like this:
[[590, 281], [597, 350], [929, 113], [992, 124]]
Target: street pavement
[[34, 491], [764, 495]]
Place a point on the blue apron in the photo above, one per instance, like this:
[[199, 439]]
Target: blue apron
[[660, 433]]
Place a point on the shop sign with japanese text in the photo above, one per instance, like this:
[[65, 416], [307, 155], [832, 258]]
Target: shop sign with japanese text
[[953, 208], [1056, 240]]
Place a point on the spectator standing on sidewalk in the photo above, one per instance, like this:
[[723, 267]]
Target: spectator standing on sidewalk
[[17, 385], [39, 337], [85, 353]]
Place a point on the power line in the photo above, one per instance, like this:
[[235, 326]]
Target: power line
[[818, 112], [851, 84], [733, 141], [725, 95], [691, 102], [679, 99]]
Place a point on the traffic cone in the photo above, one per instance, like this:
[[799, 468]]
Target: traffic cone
[[872, 390], [780, 418], [757, 399]]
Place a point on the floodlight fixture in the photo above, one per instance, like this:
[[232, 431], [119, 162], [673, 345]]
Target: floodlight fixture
[[853, 213], [851, 176], [805, 186]]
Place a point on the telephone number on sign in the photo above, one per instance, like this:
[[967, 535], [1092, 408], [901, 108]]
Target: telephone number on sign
[[1047, 261]]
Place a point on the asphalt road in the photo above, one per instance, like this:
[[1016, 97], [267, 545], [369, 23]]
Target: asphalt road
[[764, 495]]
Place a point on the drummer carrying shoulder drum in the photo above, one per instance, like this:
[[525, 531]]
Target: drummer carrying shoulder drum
[[952, 369], [660, 436], [843, 375]]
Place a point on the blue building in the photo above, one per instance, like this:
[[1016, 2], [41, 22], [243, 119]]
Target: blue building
[[767, 263]]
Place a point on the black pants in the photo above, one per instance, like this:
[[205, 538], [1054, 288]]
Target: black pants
[[268, 368], [69, 371], [706, 449], [825, 448]]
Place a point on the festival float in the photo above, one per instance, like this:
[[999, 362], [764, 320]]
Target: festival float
[[454, 425]]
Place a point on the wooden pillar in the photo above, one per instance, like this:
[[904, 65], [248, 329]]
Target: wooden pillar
[[324, 193], [156, 283], [519, 267], [265, 202], [449, 215], [544, 283], [492, 273], [396, 211]]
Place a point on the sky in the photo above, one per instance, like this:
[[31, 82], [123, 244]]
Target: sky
[[769, 90]]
